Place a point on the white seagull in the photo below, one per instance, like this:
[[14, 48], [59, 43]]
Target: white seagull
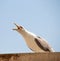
[[34, 42]]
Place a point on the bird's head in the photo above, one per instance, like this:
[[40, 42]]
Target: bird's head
[[18, 28]]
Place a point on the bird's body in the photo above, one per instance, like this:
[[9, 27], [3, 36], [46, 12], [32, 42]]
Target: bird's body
[[35, 43], [29, 38]]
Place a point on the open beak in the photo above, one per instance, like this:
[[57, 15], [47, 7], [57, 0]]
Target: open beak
[[16, 26]]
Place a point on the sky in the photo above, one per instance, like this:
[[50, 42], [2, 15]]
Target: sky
[[41, 17]]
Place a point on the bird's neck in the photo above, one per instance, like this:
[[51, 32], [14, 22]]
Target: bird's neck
[[23, 33], [26, 34]]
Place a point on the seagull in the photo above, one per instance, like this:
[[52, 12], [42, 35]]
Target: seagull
[[34, 42]]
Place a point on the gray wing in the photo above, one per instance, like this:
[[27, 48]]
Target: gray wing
[[43, 44]]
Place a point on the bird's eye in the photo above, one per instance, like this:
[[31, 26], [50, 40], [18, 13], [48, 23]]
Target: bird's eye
[[18, 28]]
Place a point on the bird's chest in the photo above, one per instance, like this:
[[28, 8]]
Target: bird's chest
[[29, 40], [31, 43]]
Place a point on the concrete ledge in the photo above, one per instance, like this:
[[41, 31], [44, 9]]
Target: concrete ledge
[[31, 57]]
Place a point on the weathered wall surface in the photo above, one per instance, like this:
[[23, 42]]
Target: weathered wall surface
[[31, 57]]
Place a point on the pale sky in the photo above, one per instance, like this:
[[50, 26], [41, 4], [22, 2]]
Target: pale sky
[[41, 17]]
